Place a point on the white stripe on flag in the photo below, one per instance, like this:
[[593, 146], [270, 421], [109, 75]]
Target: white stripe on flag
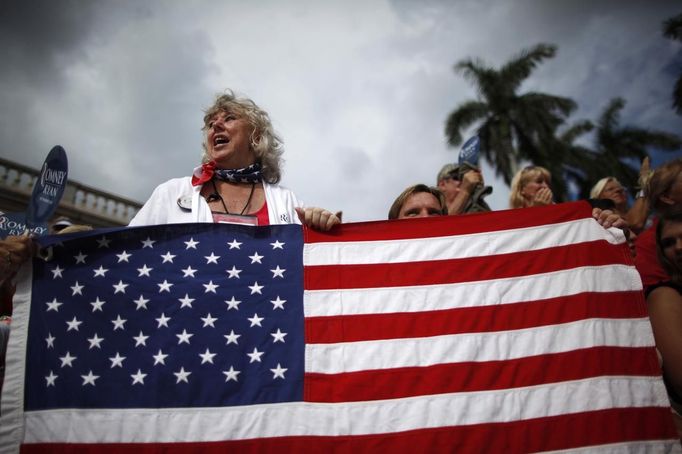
[[612, 278], [458, 246], [492, 346], [376, 417]]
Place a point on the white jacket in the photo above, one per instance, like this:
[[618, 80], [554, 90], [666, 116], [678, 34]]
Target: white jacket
[[163, 206]]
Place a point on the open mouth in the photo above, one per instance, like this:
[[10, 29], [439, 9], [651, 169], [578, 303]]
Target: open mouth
[[220, 140]]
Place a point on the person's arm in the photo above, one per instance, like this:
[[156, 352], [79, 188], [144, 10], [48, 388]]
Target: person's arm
[[637, 214], [469, 182], [665, 312]]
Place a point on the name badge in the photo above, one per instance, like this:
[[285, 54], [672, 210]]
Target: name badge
[[224, 218]]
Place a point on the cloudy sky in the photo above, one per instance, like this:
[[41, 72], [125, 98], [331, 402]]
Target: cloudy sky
[[358, 89]]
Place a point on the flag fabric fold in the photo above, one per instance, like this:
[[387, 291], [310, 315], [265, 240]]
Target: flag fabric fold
[[514, 331]]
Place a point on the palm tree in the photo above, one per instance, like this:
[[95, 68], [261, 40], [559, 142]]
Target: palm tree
[[512, 127], [672, 28], [618, 147], [576, 157]]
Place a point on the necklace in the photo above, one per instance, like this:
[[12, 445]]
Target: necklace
[[216, 196]]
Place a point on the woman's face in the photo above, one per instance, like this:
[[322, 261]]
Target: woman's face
[[614, 191], [228, 141], [671, 242], [533, 185], [420, 205]]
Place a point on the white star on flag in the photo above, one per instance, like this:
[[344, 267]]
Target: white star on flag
[[144, 271], [138, 377], [231, 374], [191, 244], [189, 271], [77, 289], [255, 320], [212, 258], [89, 379], [97, 305], [119, 322], [73, 324], [278, 272], [123, 257], [186, 301], [165, 286], [210, 287], [167, 257], [256, 258], [95, 341], [277, 245], [207, 357], [163, 320], [182, 375], [141, 303], [234, 272], [80, 258], [255, 288], [255, 355], [184, 337], [232, 304], [67, 359], [53, 305], [101, 271], [278, 372], [234, 244], [120, 287], [117, 361], [160, 358], [103, 242], [278, 336], [51, 378], [208, 321], [148, 243], [232, 338], [57, 272], [140, 339], [50, 340], [278, 303]]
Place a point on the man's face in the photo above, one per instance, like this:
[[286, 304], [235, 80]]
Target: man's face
[[449, 186], [420, 205]]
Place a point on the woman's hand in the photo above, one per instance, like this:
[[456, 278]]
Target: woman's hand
[[14, 251], [542, 197], [318, 218], [607, 219]]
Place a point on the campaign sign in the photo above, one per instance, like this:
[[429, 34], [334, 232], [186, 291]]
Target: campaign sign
[[15, 224], [470, 151], [49, 188]]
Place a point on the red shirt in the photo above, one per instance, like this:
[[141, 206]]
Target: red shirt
[[646, 260]]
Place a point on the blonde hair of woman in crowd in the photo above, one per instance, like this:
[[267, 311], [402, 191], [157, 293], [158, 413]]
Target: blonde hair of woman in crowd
[[530, 187]]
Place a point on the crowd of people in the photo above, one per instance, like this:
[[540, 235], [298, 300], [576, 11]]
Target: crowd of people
[[238, 182]]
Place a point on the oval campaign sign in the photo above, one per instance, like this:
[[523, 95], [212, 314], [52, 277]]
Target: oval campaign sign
[[470, 150], [49, 188]]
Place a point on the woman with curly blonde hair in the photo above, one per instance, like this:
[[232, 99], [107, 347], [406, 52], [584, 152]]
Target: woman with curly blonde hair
[[238, 179]]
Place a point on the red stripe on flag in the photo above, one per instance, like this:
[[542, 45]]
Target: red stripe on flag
[[542, 434], [353, 328], [480, 376], [444, 226], [593, 253]]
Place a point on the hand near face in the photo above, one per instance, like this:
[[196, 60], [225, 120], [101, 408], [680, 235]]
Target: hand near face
[[317, 218], [470, 180], [542, 197], [607, 219]]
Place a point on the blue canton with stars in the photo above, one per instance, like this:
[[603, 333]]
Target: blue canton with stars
[[185, 315]]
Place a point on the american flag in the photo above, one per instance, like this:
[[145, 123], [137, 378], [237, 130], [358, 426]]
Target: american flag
[[517, 331]]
